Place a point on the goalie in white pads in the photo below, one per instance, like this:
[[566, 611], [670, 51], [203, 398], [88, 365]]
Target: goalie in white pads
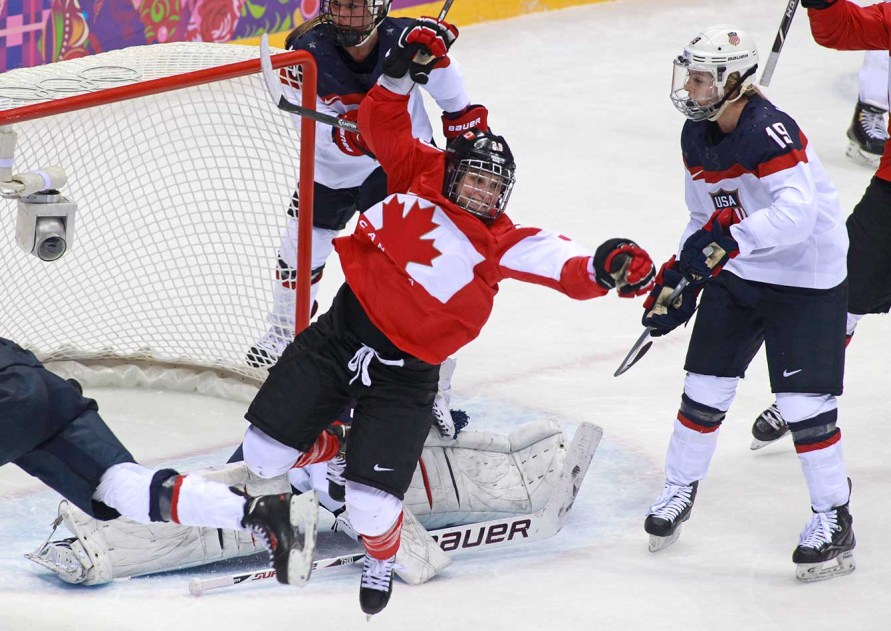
[[479, 476]]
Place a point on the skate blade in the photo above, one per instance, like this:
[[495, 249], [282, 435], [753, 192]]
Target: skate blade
[[660, 543], [841, 565], [304, 518], [758, 444], [861, 157]]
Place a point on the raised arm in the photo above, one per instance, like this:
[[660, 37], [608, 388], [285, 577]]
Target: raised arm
[[843, 25]]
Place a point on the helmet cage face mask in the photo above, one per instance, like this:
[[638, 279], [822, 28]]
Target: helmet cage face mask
[[700, 74], [350, 22], [480, 187]]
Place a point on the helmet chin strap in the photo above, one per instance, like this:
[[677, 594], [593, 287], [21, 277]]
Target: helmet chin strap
[[739, 88]]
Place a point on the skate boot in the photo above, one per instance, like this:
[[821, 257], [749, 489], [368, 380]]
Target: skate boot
[[286, 525], [868, 134], [269, 348], [769, 427], [336, 481], [666, 515], [376, 585], [826, 546]]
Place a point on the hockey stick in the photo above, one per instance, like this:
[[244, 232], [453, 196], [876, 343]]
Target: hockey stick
[[778, 43], [282, 102], [542, 524], [198, 586], [645, 341]]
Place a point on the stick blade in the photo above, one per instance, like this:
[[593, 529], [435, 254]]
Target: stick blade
[[640, 348]]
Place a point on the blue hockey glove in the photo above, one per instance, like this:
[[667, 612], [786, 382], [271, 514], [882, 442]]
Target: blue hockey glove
[[707, 250], [663, 318]]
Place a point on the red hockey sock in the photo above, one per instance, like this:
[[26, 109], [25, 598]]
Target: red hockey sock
[[323, 450], [384, 545]]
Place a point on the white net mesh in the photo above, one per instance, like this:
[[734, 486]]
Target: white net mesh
[[181, 204]]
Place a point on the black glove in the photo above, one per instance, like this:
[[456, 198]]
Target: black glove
[[817, 4], [707, 250], [422, 47], [623, 264], [661, 317]]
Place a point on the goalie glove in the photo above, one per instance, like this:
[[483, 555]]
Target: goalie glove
[[422, 46], [471, 117], [660, 316], [707, 250], [625, 266]]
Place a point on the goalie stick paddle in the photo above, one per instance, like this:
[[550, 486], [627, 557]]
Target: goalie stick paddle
[[785, 23], [542, 524], [282, 102]]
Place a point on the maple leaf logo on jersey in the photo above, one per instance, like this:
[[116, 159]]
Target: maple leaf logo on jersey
[[401, 234]]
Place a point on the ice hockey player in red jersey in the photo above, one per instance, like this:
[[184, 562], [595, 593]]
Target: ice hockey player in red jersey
[[422, 269], [766, 227], [847, 26]]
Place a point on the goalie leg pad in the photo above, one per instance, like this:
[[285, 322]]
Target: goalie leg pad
[[482, 475], [83, 559]]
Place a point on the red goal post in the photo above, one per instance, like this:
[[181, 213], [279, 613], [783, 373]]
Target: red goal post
[[182, 169]]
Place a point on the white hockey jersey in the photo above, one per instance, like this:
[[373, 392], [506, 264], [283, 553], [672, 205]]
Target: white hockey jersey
[[793, 232], [342, 84]]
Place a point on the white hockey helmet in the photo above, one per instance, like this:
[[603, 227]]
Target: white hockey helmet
[[701, 72]]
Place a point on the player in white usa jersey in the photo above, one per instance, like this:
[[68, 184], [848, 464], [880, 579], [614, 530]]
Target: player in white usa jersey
[[766, 247]]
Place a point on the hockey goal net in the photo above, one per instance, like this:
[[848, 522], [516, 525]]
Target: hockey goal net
[[182, 170]]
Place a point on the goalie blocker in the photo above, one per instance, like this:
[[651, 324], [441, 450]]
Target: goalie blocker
[[511, 476]]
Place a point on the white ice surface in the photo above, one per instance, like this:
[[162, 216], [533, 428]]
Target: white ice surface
[[582, 95]]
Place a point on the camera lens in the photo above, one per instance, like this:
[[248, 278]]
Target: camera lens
[[51, 248], [50, 238]]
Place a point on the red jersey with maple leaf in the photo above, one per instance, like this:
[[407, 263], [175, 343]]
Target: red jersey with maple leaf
[[425, 271]]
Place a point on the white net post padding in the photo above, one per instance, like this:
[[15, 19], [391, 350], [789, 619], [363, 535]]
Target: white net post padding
[[182, 200]]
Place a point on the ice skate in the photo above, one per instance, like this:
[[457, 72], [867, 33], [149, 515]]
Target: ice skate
[[376, 585], [336, 481], [868, 134], [668, 513], [826, 546], [269, 348], [768, 428], [286, 525]]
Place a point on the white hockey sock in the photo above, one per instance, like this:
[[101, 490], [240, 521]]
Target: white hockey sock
[[372, 511], [689, 454], [853, 319], [125, 487], [199, 502], [265, 456], [826, 477]]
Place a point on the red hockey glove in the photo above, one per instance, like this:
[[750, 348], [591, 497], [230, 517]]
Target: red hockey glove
[[422, 46], [348, 141], [623, 264], [471, 117], [661, 317], [714, 238]]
